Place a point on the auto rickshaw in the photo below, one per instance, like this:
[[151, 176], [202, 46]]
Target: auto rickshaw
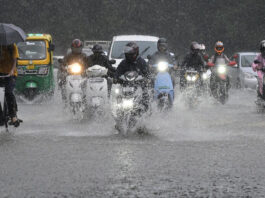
[[35, 67]]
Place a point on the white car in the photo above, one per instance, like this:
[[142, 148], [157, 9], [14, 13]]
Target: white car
[[246, 77], [147, 46]]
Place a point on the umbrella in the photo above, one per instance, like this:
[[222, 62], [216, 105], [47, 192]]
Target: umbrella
[[10, 34]]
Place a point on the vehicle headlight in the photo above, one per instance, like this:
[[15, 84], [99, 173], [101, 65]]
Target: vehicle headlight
[[117, 91], [194, 78], [75, 68], [127, 103], [20, 70], [221, 69], [204, 76], [162, 66], [189, 78], [43, 70], [249, 75]]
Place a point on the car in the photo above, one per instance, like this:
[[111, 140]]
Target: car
[[244, 75], [147, 46]]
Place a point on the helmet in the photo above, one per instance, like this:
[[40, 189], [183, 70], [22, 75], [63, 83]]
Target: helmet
[[162, 45], [219, 47], [131, 51], [262, 46], [195, 47], [97, 49], [77, 46]]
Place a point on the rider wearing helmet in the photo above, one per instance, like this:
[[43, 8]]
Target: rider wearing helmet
[[203, 53], [192, 60], [75, 56], [259, 67], [162, 54], [219, 52], [133, 62], [99, 58]]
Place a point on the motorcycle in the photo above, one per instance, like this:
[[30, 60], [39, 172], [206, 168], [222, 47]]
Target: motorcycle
[[163, 86], [75, 90], [97, 88], [127, 102], [220, 80], [192, 88]]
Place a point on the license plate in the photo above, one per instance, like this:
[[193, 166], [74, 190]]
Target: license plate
[[96, 80], [31, 67], [128, 89], [31, 72]]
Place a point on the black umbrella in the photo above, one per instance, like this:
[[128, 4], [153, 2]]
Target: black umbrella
[[10, 34]]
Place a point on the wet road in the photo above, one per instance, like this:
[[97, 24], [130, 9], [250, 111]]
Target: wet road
[[213, 151]]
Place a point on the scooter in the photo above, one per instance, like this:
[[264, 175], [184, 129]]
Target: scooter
[[96, 88], [163, 85], [260, 102], [75, 90]]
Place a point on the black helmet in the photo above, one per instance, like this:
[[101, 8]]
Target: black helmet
[[194, 47], [77, 46], [97, 49], [131, 51], [162, 45]]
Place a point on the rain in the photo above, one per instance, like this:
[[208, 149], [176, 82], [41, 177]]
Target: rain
[[193, 143]]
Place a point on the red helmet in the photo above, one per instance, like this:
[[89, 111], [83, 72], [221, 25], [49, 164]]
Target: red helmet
[[77, 46]]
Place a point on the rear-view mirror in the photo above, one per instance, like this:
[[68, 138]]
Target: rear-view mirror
[[112, 61], [51, 47]]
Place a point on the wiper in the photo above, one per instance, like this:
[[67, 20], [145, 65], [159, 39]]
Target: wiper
[[145, 50]]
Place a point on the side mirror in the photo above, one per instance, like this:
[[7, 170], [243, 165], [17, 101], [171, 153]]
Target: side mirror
[[112, 61], [210, 64], [233, 63], [206, 57], [60, 61], [51, 47], [235, 56], [149, 57]]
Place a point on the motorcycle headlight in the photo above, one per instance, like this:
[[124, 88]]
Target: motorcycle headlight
[[117, 91], [221, 69], [189, 78], [75, 68], [204, 76], [127, 103], [194, 78], [43, 70], [162, 66], [20, 71]]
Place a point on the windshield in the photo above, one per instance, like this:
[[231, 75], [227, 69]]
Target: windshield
[[247, 60], [145, 48], [32, 50]]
